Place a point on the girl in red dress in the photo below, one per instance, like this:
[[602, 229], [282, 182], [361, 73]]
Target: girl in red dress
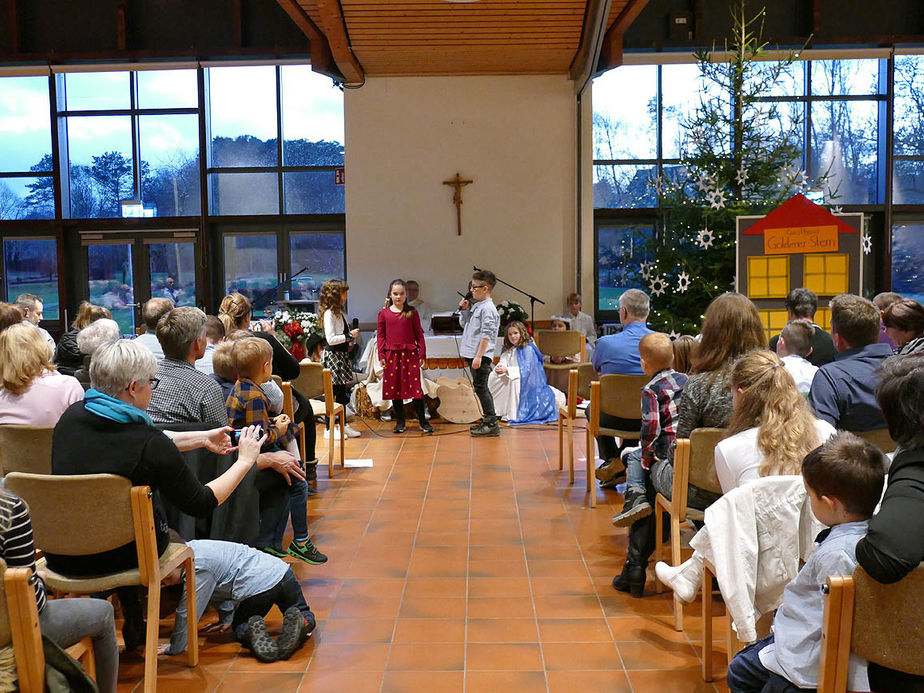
[[402, 350]]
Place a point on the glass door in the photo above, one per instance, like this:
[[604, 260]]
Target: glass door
[[111, 282]]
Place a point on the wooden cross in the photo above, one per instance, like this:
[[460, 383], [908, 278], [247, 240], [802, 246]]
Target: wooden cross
[[458, 183]]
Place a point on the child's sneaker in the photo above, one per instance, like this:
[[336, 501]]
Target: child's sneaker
[[336, 433], [351, 432], [273, 551], [294, 632], [635, 508], [259, 641], [307, 552]]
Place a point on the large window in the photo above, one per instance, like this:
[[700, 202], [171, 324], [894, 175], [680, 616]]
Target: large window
[[621, 249], [30, 266], [26, 166], [276, 141]]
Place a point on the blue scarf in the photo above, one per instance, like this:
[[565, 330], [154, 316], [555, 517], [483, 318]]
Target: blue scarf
[[114, 409]]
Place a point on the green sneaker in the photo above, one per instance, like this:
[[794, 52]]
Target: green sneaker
[[307, 552], [278, 553]]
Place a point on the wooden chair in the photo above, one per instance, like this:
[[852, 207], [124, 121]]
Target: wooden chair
[[879, 437], [288, 408], [19, 625], [694, 463], [310, 382], [336, 415], [105, 512], [881, 623], [25, 449], [561, 344], [566, 418]]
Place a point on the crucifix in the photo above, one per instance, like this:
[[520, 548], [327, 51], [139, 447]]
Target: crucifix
[[457, 184]]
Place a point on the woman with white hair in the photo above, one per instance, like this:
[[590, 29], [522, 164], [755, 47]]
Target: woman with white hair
[[110, 433], [32, 392], [89, 340]]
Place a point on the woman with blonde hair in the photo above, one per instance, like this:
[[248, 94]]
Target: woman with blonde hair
[[339, 338], [32, 392], [68, 356], [772, 428]]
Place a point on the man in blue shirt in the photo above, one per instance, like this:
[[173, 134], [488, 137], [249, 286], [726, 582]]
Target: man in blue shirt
[[842, 391], [618, 353]]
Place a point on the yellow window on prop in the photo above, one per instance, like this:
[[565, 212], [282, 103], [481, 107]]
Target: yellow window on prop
[[774, 320], [768, 276], [826, 273]]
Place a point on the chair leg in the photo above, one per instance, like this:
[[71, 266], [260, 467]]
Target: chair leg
[[591, 480], [561, 449], [192, 623], [659, 532], [301, 438], [151, 636], [706, 592], [675, 561], [732, 643], [570, 451], [331, 423], [342, 438]]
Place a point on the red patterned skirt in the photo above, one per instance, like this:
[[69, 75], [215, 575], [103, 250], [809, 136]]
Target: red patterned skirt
[[401, 376]]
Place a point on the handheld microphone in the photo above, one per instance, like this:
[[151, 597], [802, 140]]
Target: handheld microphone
[[355, 323]]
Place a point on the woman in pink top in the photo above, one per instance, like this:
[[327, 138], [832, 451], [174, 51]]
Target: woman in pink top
[[402, 350], [32, 392]]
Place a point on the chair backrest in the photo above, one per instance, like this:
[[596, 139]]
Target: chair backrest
[[621, 395], [25, 448], [328, 390], [76, 515], [310, 381], [879, 437], [567, 343], [586, 375], [277, 380], [702, 458], [19, 626], [572, 393]]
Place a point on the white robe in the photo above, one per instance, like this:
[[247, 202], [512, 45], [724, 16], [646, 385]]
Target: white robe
[[505, 389]]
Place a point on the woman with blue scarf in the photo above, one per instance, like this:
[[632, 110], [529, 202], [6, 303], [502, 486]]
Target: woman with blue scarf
[[108, 432], [518, 385]]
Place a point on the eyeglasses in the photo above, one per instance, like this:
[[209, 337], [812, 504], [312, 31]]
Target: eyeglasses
[[154, 382], [478, 286]]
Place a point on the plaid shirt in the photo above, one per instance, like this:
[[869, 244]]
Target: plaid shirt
[[248, 406], [660, 398], [185, 395]]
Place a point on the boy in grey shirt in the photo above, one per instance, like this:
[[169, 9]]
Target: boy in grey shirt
[[481, 325]]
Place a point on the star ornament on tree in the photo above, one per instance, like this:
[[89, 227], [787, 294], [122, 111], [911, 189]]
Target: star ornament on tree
[[674, 335], [657, 285], [645, 270], [716, 199], [657, 184], [742, 176], [867, 244], [683, 282], [705, 238]]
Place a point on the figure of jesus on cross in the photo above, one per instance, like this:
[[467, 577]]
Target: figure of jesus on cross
[[457, 184]]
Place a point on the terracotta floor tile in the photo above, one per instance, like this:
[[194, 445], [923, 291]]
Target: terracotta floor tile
[[569, 606], [500, 607], [658, 655], [356, 630], [249, 682], [502, 630], [433, 657], [190, 681], [690, 681], [553, 568], [496, 552], [353, 606], [347, 680], [429, 630], [503, 656], [502, 568], [436, 587], [337, 657], [432, 607], [439, 561], [442, 539], [573, 630], [610, 681], [498, 587], [372, 587], [561, 586], [646, 628], [494, 681], [416, 681], [581, 655]]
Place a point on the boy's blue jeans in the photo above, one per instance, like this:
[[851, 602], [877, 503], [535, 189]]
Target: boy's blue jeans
[[636, 476], [747, 674]]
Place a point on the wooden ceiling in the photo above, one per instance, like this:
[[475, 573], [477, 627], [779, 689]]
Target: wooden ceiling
[[437, 37]]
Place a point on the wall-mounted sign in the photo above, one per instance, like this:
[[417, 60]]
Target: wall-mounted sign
[[800, 239]]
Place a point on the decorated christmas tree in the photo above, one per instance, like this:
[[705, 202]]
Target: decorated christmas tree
[[741, 155]]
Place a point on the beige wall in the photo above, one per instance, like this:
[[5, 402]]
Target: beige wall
[[514, 136]]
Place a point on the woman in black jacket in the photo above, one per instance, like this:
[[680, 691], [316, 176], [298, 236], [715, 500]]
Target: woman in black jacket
[[68, 356]]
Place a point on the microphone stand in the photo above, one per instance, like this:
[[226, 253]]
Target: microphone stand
[[532, 299], [263, 303]]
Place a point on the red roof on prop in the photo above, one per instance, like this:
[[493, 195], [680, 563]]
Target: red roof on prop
[[799, 211]]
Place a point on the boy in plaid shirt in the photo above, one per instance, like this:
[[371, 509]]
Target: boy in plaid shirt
[[247, 406], [660, 398]]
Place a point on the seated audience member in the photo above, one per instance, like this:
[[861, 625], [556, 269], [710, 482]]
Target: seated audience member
[[184, 395], [842, 391], [561, 323], [229, 376], [248, 406], [731, 328], [770, 432], [32, 308], [32, 392], [794, 347], [801, 304], [89, 339], [63, 621], [904, 323], [517, 383], [9, 315], [214, 334], [894, 543], [882, 301], [68, 357], [844, 482], [108, 432], [685, 348], [660, 398], [424, 309], [153, 310], [223, 371], [243, 584], [580, 320]]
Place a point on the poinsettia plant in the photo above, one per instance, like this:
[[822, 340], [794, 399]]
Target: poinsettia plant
[[510, 311], [293, 329]]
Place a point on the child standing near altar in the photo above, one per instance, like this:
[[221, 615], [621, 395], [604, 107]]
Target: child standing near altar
[[401, 347]]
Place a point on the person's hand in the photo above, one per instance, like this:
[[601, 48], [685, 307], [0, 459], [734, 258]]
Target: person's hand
[[264, 326], [216, 628], [249, 442], [464, 304], [354, 333], [282, 423], [645, 464], [423, 362], [218, 441], [286, 464], [162, 648], [476, 362], [500, 369]]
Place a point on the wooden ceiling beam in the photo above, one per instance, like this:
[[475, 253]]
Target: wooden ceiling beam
[[334, 27], [322, 59], [595, 18], [611, 51]]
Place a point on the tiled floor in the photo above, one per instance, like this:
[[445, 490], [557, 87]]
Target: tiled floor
[[460, 564]]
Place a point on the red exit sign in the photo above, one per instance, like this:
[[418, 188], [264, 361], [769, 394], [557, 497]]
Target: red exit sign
[[339, 176]]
